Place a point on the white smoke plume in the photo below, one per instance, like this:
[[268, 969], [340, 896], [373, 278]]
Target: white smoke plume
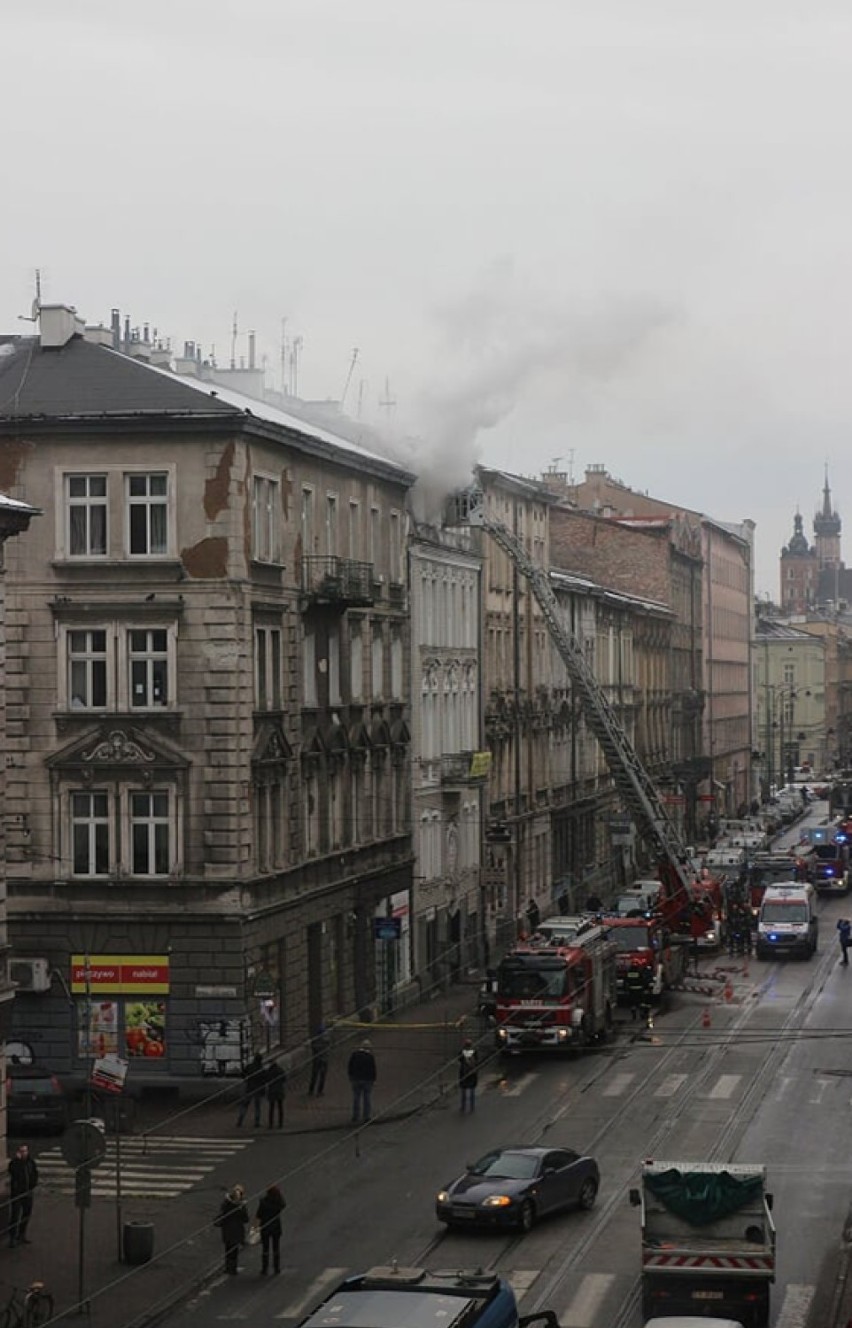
[[500, 345]]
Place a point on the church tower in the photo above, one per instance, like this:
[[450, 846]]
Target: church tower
[[799, 570], [827, 531]]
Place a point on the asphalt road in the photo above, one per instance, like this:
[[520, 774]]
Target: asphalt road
[[769, 1081]]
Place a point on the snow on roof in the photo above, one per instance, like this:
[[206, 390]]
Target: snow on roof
[[261, 410], [585, 586]]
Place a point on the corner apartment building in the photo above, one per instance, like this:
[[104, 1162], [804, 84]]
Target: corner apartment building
[[208, 746]]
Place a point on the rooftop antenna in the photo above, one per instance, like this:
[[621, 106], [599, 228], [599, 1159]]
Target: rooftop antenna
[[297, 344], [35, 309], [362, 383], [554, 464], [387, 402], [571, 452], [284, 356], [352, 364], [234, 331]]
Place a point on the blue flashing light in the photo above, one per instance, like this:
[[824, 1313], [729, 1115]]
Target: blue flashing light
[[772, 936]]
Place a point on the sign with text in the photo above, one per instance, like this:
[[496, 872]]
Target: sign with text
[[109, 1073], [387, 929], [113, 975]]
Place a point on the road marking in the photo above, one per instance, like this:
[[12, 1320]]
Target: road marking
[[797, 1304], [514, 1088], [586, 1303], [783, 1084], [160, 1170], [522, 1279], [314, 1293], [724, 1086], [670, 1085], [618, 1084], [820, 1087]]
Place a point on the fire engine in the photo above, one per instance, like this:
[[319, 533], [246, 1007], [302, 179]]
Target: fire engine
[[646, 944], [555, 995]]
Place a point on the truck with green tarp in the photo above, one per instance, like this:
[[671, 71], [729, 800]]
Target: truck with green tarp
[[708, 1240]]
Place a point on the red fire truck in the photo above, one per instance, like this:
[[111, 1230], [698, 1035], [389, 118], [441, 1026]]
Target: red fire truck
[[557, 997], [647, 944]]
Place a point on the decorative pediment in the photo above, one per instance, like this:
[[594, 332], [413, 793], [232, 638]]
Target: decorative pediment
[[112, 748], [271, 746]]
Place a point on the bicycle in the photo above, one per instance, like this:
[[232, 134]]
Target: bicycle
[[30, 1309]]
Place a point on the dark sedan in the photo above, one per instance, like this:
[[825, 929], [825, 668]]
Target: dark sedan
[[513, 1187], [34, 1100]]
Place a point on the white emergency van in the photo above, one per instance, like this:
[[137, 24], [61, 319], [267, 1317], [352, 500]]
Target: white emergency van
[[787, 922]]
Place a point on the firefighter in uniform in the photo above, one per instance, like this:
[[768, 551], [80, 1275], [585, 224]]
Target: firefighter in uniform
[[635, 986]]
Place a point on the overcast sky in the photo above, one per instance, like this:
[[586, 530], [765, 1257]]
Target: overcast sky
[[610, 231]]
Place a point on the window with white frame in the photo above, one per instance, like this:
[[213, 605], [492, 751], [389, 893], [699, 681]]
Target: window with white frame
[[86, 508], [87, 668], [150, 833], [266, 525], [376, 540], [115, 667], [148, 514], [148, 660], [267, 668], [90, 833], [309, 667], [395, 553]]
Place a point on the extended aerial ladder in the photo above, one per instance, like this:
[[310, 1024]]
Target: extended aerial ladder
[[632, 781]]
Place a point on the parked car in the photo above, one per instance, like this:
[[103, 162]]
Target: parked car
[[513, 1187], [35, 1100]]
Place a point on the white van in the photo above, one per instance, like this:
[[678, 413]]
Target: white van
[[787, 922]]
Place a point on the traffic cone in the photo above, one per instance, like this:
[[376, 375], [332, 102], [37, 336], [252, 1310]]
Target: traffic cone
[[729, 990], [705, 1018]]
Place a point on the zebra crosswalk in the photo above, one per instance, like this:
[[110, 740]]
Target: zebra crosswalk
[[159, 1167]]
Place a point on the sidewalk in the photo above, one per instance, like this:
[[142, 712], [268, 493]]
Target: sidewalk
[[416, 1053]]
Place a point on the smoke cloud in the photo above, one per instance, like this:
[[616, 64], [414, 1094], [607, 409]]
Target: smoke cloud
[[499, 346]]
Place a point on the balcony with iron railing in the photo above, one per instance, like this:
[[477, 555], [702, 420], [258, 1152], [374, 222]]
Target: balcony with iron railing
[[340, 581]]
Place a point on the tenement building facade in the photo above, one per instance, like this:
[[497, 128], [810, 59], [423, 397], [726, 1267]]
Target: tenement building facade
[[208, 748]]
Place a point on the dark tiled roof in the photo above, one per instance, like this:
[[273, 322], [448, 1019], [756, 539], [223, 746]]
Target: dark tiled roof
[[85, 379]]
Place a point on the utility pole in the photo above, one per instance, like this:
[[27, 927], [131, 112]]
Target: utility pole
[[234, 330], [352, 363]]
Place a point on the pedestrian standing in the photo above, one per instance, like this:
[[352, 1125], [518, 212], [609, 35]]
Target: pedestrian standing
[[23, 1178], [533, 916], [320, 1047], [362, 1076], [634, 987], [276, 1080], [594, 904], [232, 1220], [268, 1219], [844, 932], [254, 1089], [468, 1075]]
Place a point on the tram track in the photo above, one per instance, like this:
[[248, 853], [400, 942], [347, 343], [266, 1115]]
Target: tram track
[[707, 1058]]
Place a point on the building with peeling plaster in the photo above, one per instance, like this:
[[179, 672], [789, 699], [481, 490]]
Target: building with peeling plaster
[[208, 749]]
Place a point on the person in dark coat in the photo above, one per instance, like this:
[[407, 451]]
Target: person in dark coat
[[844, 934], [23, 1178], [254, 1089], [533, 916], [468, 1075], [320, 1047], [276, 1080], [268, 1219], [232, 1221], [362, 1076]]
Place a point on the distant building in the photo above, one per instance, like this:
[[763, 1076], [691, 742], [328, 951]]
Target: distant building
[[815, 576]]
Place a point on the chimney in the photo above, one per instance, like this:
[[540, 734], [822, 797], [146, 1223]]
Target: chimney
[[251, 350], [115, 324], [99, 336], [58, 323]]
